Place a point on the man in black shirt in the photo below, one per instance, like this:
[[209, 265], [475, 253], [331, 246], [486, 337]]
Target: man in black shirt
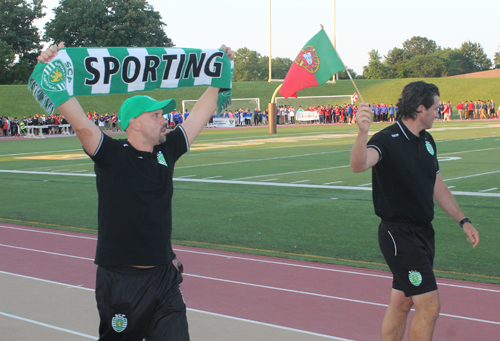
[[406, 181], [137, 284]]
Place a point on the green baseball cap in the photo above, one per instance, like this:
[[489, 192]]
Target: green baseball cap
[[137, 105]]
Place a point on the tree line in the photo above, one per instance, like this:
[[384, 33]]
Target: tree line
[[93, 23], [422, 57]]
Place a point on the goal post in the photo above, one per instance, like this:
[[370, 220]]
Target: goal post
[[310, 101], [224, 119], [236, 104]]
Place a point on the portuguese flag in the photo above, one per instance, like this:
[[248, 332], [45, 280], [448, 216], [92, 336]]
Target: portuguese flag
[[316, 63]]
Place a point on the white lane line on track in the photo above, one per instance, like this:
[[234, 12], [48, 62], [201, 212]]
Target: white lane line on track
[[190, 309], [46, 252], [48, 232], [177, 249], [270, 288], [330, 297], [50, 326], [180, 249], [270, 325]]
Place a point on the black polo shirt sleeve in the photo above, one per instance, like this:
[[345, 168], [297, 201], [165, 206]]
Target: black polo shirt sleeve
[[176, 144], [106, 151]]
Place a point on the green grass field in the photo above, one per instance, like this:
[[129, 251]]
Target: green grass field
[[290, 194], [17, 101]]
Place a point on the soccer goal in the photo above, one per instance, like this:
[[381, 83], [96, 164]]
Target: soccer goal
[[310, 101], [237, 103]]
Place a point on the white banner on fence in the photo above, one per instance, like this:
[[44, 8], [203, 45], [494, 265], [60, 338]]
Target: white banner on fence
[[224, 122], [307, 116]]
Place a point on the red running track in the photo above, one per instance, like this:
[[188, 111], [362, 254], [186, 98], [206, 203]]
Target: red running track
[[326, 299]]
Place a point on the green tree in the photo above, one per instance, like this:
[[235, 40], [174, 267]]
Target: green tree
[[344, 75], [249, 66], [394, 60], [7, 57], [18, 32], [279, 67], [375, 69], [452, 59], [473, 58], [496, 59], [419, 46], [426, 66], [93, 23]]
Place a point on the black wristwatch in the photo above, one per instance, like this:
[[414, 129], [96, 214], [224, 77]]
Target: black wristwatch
[[464, 221]]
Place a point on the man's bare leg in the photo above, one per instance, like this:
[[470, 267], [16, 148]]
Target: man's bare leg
[[427, 309], [394, 324]]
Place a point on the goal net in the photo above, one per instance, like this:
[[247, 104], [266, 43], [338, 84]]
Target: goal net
[[237, 103], [312, 100]]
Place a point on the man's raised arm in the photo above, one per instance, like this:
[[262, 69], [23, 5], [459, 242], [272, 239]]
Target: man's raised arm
[[204, 107], [363, 158], [88, 133]]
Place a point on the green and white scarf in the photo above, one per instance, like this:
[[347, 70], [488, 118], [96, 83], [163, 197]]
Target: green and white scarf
[[80, 71]]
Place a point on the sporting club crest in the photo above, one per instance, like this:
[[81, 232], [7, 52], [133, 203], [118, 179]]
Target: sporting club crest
[[119, 323], [54, 76], [428, 145], [308, 59], [415, 278]]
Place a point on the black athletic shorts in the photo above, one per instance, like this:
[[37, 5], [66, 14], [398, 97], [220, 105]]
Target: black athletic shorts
[[136, 304], [409, 250]]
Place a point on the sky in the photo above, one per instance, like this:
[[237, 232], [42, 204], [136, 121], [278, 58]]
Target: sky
[[360, 25]]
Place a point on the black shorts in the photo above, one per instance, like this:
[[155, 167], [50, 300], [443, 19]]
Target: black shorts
[[137, 303], [409, 251]]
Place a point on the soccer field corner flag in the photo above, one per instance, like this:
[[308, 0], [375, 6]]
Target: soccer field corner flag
[[315, 64], [354, 97]]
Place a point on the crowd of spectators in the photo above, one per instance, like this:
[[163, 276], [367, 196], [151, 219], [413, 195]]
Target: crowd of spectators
[[286, 114], [104, 121], [11, 126], [479, 110], [51, 124], [244, 117]]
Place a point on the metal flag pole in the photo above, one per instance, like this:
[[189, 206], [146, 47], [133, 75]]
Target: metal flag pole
[[348, 73]]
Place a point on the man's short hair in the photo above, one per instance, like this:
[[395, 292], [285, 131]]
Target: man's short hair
[[415, 94]]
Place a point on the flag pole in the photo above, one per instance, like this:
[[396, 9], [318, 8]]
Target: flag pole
[[348, 73]]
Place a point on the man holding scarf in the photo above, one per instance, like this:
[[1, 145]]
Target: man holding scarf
[[137, 285]]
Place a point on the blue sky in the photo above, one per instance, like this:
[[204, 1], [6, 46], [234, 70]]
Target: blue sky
[[361, 25]]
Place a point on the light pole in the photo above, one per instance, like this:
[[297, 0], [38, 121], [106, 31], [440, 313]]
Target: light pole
[[270, 58]]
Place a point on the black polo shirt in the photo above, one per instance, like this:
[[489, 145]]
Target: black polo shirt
[[403, 180], [135, 200]]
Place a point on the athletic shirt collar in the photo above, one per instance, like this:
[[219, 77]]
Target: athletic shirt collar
[[407, 132]]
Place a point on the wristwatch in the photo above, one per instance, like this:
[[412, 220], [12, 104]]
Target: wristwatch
[[464, 221]]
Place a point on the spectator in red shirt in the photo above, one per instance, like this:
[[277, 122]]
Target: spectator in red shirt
[[460, 108]]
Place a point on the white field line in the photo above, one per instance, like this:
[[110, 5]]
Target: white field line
[[275, 184]]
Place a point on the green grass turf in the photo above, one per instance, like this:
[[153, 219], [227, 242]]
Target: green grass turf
[[17, 101], [226, 203]]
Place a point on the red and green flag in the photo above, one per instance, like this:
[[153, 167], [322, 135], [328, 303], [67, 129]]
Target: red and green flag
[[315, 64]]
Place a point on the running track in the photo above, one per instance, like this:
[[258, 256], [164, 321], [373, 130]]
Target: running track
[[325, 300]]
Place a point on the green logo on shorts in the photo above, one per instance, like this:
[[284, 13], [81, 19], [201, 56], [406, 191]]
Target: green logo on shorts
[[428, 145], [119, 323], [415, 278]]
